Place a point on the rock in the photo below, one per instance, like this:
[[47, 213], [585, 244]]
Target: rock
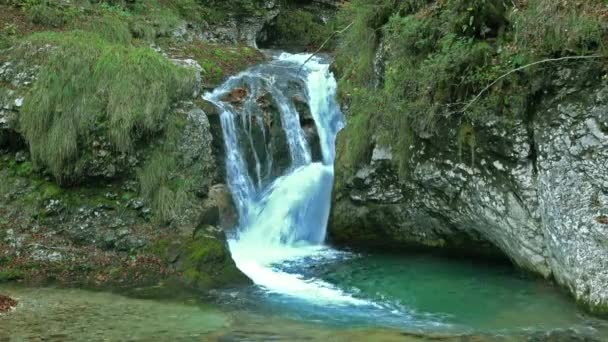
[[20, 157], [206, 262], [536, 193], [45, 255], [236, 96], [219, 208], [245, 29], [7, 303]]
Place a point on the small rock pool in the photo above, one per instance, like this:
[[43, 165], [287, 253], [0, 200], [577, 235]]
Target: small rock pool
[[395, 298]]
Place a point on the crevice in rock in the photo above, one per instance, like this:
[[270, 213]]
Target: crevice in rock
[[529, 122]]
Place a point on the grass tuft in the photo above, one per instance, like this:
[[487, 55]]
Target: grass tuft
[[90, 87]]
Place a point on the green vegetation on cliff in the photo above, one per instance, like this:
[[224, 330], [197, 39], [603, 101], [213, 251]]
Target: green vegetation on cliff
[[406, 65], [91, 87]]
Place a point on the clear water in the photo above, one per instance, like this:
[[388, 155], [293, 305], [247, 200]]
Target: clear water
[[395, 298]]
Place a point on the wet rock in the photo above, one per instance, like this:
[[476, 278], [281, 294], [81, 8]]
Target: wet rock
[[236, 96]]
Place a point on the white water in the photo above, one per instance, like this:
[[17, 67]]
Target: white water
[[283, 220]]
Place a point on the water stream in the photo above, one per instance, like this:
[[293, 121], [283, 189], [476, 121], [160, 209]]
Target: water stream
[[285, 219]]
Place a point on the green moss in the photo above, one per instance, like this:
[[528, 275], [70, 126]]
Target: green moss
[[600, 310], [468, 140], [90, 87], [50, 191], [7, 35], [218, 61], [355, 143], [207, 264]]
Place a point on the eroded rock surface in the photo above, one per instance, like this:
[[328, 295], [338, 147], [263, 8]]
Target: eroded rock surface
[[535, 190]]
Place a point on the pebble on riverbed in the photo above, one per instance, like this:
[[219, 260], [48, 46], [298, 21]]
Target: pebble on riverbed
[[7, 303]]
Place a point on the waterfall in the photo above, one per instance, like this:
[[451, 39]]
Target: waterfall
[[283, 210]]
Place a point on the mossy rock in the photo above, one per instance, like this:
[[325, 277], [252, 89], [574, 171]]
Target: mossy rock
[[206, 263]]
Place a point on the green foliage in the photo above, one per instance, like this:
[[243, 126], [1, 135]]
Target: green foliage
[[91, 87], [111, 27], [7, 35], [216, 11], [357, 47], [49, 13], [218, 61], [11, 275], [551, 27], [158, 187], [437, 56], [301, 27]]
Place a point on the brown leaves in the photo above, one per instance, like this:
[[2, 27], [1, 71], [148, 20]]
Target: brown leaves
[[7, 303]]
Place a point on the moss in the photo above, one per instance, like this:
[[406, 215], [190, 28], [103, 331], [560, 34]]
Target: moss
[[207, 264], [8, 32], [218, 61], [354, 144], [600, 310], [91, 87]]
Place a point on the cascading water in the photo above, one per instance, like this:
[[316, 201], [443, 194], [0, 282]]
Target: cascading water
[[285, 218]]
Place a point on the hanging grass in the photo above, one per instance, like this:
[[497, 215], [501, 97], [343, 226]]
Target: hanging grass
[[90, 87]]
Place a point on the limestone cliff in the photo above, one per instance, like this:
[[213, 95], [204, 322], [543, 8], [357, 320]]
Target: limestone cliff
[[526, 179]]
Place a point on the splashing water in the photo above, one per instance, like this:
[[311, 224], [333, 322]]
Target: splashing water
[[282, 219]]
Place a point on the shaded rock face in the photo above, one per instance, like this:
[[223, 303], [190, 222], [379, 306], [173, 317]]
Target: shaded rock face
[[237, 29], [535, 190]]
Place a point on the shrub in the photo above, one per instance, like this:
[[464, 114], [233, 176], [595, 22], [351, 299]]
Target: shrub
[[549, 27]]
